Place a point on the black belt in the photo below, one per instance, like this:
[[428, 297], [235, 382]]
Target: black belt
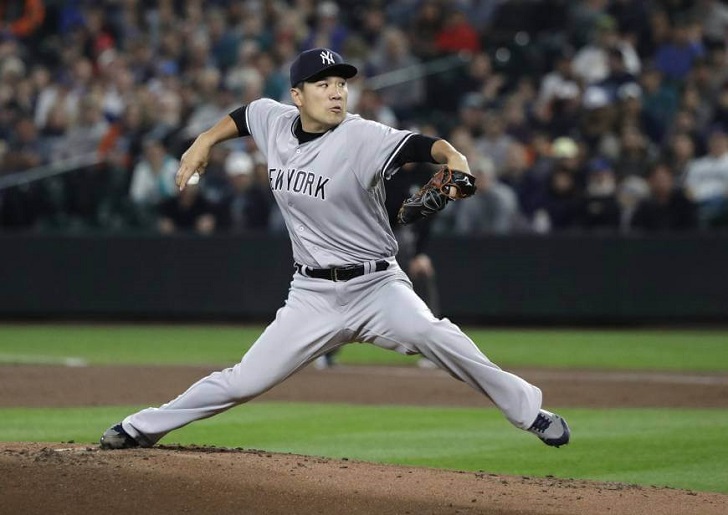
[[339, 274]]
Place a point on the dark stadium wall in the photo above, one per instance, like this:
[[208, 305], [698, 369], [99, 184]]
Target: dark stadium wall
[[559, 279]]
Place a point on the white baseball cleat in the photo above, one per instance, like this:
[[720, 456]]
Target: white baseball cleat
[[551, 429]]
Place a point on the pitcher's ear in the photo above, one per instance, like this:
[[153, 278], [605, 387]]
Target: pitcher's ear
[[296, 93]]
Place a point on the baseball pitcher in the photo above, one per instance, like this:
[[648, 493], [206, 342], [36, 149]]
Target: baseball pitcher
[[326, 170]]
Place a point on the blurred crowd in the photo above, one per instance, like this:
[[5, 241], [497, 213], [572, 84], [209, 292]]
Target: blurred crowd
[[591, 115]]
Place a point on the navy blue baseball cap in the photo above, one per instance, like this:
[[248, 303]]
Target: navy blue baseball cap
[[318, 63]]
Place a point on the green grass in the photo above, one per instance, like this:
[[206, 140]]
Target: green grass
[[126, 344], [670, 447], [687, 350], [677, 448]]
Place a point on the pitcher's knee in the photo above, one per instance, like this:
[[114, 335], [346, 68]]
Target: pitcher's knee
[[446, 336], [421, 335], [240, 388], [244, 393]]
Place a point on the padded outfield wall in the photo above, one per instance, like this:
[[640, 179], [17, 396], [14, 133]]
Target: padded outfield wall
[[554, 279]]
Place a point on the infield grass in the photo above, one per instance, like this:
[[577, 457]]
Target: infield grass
[[677, 448], [685, 350]]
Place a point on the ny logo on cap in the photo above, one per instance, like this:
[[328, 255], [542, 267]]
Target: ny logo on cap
[[327, 57]]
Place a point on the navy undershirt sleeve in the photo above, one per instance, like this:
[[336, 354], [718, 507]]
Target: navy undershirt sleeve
[[238, 117], [417, 149]]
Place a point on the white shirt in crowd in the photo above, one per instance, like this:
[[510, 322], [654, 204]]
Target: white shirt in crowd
[[707, 177]]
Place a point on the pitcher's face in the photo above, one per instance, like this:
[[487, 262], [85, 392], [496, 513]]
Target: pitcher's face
[[322, 103]]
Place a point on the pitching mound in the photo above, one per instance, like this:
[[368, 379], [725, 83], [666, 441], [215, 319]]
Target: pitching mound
[[73, 479]]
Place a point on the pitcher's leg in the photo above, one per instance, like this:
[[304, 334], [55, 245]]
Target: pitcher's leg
[[404, 323], [295, 338]]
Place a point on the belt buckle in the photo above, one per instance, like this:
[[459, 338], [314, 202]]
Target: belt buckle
[[343, 270]]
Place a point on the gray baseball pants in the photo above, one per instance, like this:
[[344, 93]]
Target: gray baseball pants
[[319, 315]]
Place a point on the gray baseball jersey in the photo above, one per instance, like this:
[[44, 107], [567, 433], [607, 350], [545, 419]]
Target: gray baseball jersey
[[330, 190], [331, 193]]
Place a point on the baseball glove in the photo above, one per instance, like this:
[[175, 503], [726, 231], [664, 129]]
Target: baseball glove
[[444, 186]]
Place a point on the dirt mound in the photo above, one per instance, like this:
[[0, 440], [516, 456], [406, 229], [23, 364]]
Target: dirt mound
[[74, 479]]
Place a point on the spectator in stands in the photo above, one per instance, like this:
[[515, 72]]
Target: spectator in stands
[[249, 202], [328, 32], [706, 83], [275, 84], [533, 189], [373, 24], [675, 58], [224, 40], [706, 178], [583, 18], [632, 17], [713, 18], [187, 211], [426, 24], [685, 123], [470, 115], [371, 107], [396, 54], [631, 112], [597, 122], [464, 140], [635, 152], [84, 137], [600, 209], [180, 62], [515, 166], [244, 75], [717, 70], [560, 78], [457, 34], [630, 192], [659, 98], [197, 58], [617, 75], [720, 113], [591, 62], [152, 179], [494, 142], [566, 154], [125, 136], [680, 152], [699, 107], [492, 210], [54, 95], [214, 100], [515, 173], [658, 32], [562, 204], [561, 116], [515, 119], [21, 18], [120, 149], [12, 80], [667, 208], [479, 79], [25, 149]]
